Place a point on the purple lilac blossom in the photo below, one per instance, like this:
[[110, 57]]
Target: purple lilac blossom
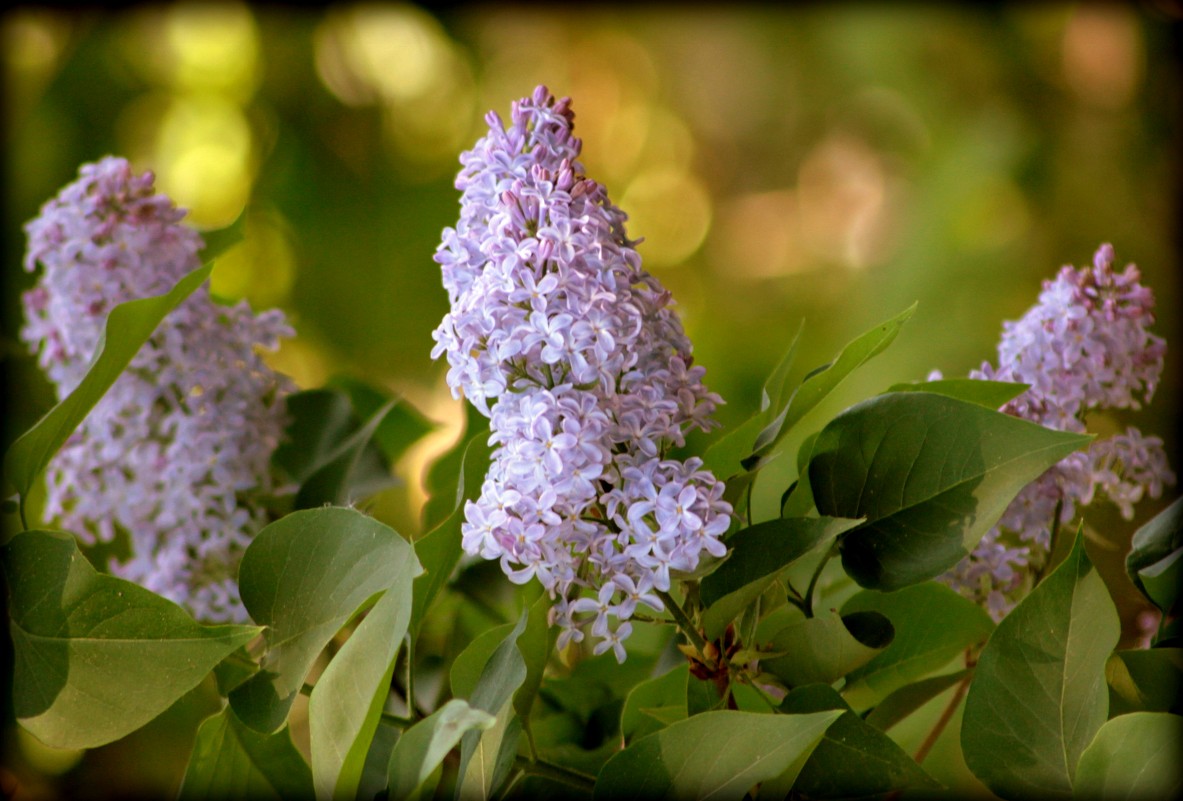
[[575, 354], [1084, 347], [178, 451]]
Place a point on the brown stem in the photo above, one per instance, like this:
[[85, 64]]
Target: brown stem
[[947, 715]]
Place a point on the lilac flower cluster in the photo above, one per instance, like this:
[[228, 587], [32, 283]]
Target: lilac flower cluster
[[177, 453], [1084, 347], [590, 378]]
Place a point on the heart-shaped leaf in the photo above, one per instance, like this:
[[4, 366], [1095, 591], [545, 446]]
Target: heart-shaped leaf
[[233, 761]]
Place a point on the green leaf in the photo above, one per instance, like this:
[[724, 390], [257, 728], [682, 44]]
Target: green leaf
[[1153, 561], [933, 625], [345, 705], [232, 761], [774, 386], [422, 748], [757, 556], [536, 644], [820, 383], [907, 699], [821, 649], [718, 755], [304, 576], [220, 240], [1038, 696], [97, 657], [1145, 681], [440, 549], [666, 692], [930, 473], [341, 480], [991, 394], [854, 759], [402, 427], [319, 420], [727, 455], [485, 756], [441, 476], [798, 499], [1133, 756], [128, 327]]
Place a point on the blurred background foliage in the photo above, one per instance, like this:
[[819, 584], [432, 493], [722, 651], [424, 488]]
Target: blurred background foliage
[[829, 164]]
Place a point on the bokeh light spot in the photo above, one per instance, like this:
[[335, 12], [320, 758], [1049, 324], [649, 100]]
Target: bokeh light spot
[[671, 210], [1103, 58]]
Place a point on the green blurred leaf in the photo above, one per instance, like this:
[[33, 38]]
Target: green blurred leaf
[[536, 644], [97, 657], [1133, 756], [485, 756], [933, 625], [128, 327], [854, 759], [1038, 696], [991, 394], [821, 649], [234, 670], [232, 761], [902, 702], [439, 550], [341, 480], [930, 473], [757, 556], [422, 748], [304, 576], [798, 499], [773, 390], [1145, 681], [725, 457], [345, 705], [443, 489], [718, 755], [400, 429], [319, 420], [220, 240], [655, 703], [822, 382], [1153, 561]]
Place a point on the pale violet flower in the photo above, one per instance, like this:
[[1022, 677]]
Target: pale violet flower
[[176, 454], [1084, 347], [576, 355]]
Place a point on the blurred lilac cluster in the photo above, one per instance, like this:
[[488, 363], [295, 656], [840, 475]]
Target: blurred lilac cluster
[[176, 453], [555, 323], [1084, 347]]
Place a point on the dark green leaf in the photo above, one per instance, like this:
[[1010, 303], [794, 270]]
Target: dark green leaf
[[97, 657], [725, 458], [485, 756], [1145, 681], [341, 480], [319, 420], [347, 701], [1155, 554], [854, 759], [128, 327], [1133, 756], [757, 556], [536, 644], [718, 755], [439, 550], [441, 476], [1038, 696], [820, 649], [234, 670], [422, 748], [220, 240], [991, 394], [304, 576], [933, 625], [907, 699], [930, 473], [666, 693], [232, 761], [402, 427], [818, 385]]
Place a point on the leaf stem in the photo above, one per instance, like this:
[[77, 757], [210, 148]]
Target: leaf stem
[[1051, 543], [946, 715], [21, 508], [683, 621]]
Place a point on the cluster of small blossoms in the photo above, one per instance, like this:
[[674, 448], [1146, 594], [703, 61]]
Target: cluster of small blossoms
[[589, 375], [1084, 347], [178, 450]]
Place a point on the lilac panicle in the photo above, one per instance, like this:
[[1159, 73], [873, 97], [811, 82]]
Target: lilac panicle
[[576, 355], [1085, 346], [176, 452]]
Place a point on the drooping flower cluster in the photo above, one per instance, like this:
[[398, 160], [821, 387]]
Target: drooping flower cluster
[[554, 322], [176, 453], [1084, 347]]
